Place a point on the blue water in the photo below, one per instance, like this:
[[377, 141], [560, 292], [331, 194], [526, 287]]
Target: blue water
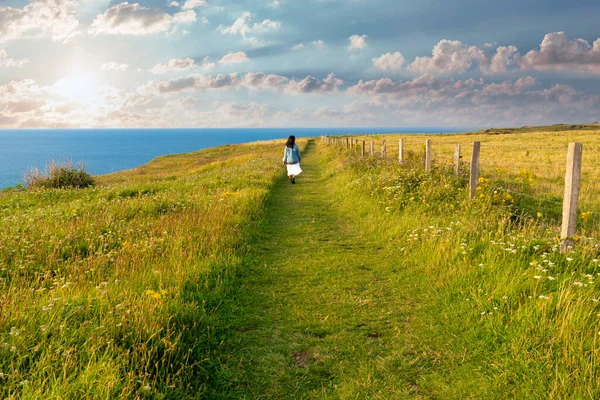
[[109, 150]]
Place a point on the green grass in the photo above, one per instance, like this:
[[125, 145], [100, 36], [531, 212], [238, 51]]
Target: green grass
[[209, 275], [114, 291], [371, 280]]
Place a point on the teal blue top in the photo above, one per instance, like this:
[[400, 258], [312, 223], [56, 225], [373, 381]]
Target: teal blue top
[[291, 156]]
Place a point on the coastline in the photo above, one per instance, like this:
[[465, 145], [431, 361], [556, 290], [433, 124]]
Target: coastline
[[106, 151]]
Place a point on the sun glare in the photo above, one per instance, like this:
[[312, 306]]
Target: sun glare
[[79, 87]]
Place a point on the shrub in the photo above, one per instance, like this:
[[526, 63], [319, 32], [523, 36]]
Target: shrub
[[59, 176]]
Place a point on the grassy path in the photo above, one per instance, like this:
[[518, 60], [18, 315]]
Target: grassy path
[[320, 315]]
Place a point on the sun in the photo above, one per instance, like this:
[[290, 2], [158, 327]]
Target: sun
[[78, 87]]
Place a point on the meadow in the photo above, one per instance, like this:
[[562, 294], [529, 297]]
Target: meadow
[[524, 166], [207, 275], [111, 291]]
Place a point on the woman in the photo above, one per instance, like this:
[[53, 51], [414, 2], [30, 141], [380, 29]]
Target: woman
[[291, 158]]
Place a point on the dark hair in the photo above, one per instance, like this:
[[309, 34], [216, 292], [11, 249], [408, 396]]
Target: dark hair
[[291, 141]]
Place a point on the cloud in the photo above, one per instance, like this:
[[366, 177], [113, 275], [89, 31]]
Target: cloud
[[174, 64], [191, 4], [559, 53], [234, 58], [389, 61], [6, 61], [113, 66], [26, 104], [508, 88], [357, 42], [474, 102], [262, 81], [505, 56], [244, 27], [251, 80], [54, 18], [319, 44], [194, 83], [388, 86], [311, 84], [448, 57], [133, 19], [285, 116]]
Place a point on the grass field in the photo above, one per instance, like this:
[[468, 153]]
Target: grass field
[[530, 164], [208, 275], [113, 291]]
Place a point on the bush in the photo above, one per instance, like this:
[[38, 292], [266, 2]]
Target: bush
[[59, 176]]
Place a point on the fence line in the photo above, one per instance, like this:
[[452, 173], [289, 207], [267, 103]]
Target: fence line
[[572, 185]]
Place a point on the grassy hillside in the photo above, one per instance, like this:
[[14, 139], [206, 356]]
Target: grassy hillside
[[549, 128], [208, 275], [497, 312], [529, 166], [113, 291]]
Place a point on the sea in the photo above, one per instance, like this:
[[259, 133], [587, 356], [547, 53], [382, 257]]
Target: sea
[[109, 150]]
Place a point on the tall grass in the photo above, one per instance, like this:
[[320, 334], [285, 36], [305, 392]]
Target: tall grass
[[501, 313], [529, 165], [113, 291], [59, 176]]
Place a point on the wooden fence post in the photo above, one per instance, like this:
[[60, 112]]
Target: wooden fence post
[[362, 153], [372, 149], [347, 143], [383, 149], [428, 155], [401, 151], [474, 169], [456, 160], [571, 199]]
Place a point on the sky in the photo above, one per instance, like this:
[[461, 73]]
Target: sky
[[285, 63]]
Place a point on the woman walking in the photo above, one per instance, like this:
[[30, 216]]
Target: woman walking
[[291, 158]]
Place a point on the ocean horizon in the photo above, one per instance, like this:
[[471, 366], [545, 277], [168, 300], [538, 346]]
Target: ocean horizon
[[109, 150]]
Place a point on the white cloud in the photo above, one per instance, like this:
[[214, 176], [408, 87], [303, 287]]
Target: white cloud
[[194, 83], [509, 88], [113, 66], [505, 57], [448, 56], [191, 4], [295, 114], [357, 42], [262, 81], [389, 61], [174, 4], [6, 61], [54, 18], [275, 4], [311, 84], [559, 53], [133, 19], [251, 80], [234, 58], [319, 44], [174, 64], [244, 27], [476, 102]]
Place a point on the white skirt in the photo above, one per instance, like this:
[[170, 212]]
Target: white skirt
[[293, 169]]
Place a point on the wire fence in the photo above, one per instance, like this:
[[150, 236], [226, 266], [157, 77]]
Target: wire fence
[[556, 185]]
